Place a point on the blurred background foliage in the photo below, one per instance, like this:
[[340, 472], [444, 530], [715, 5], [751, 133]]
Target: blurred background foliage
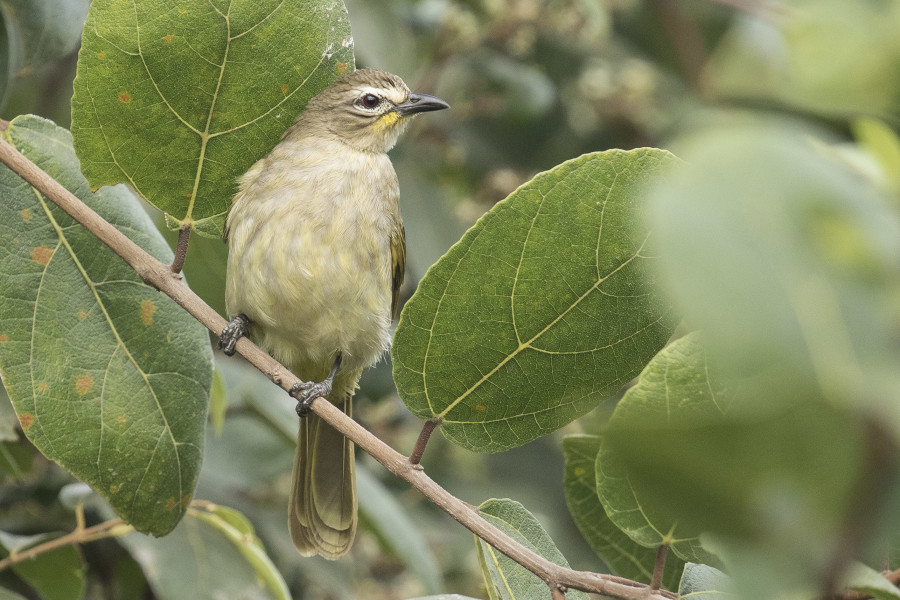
[[531, 84]]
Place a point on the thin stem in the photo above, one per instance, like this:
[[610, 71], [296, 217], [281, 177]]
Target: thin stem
[[113, 528], [424, 435], [556, 592], [181, 248], [659, 567], [159, 276]]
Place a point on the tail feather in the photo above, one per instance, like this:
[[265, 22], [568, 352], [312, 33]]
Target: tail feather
[[322, 512]]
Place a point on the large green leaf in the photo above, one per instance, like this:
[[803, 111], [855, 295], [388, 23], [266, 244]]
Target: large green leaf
[[55, 575], [702, 582], [624, 556], [504, 578], [674, 388], [179, 98], [109, 377], [541, 310]]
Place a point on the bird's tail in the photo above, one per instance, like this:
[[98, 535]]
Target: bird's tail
[[322, 511]]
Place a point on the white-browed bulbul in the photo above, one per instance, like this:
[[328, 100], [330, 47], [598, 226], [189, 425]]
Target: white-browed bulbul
[[317, 256]]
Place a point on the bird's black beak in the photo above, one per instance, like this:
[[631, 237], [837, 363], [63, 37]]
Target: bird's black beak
[[419, 103]]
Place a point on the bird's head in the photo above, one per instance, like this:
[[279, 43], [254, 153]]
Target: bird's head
[[367, 109]]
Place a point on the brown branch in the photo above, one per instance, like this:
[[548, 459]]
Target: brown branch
[[181, 248], [158, 275], [659, 567], [424, 435], [80, 535], [557, 593]]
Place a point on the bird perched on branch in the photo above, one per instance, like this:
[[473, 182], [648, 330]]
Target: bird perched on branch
[[317, 256]]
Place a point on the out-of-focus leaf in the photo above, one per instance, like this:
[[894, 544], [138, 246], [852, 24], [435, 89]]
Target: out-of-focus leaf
[[213, 553], [390, 522], [821, 55], [6, 594], [8, 418], [48, 29], [73, 495], [882, 143], [705, 583], [504, 578], [673, 389], [109, 377], [543, 309], [55, 575], [180, 98], [872, 583], [790, 263], [445, 597], [624, 556]]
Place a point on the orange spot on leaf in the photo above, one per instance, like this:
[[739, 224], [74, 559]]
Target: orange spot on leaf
[[341, 67], [122, 418], [82, 315], [42, 387], [3, 338], [101, 55], [186, 499], [170, 503], [480, 408], [125, 97], [284, 88], [167, 38], [41, 254], [83, 384], [113, 489], [25, 420], [148, 307], [26, 214]]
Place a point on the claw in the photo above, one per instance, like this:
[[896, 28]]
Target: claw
[[232, 332], [310, 390]]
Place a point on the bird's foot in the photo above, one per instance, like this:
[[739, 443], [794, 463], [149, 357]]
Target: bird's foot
[[232, 332], [310, 390]]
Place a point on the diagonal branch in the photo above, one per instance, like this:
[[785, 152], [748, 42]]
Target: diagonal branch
[[160, 276]]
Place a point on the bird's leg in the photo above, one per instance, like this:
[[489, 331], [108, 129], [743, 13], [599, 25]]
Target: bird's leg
[[232, 332], [310, 390]]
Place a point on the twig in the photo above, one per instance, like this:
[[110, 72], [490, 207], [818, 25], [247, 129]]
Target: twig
[[80, 535], [158, 275], [659, 567], [181, 248], [424, 435], [556, 592]]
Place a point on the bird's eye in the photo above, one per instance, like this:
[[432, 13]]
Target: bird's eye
[[370, 100]]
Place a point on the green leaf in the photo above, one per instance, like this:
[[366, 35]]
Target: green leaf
[[789, 263], [704, 583], [8, 419], [387, 518], [504, 578], [180, 98], [109, 377], [543, 309], [871, 583], [213, 553], [218, 403], [55, 575], [776, 486], [6, 594], [673, 387], [622, 555], [48, 29]]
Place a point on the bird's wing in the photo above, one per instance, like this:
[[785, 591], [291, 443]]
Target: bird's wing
[[398, 262]]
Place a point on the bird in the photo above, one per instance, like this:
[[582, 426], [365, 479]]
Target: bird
[[317, 254]]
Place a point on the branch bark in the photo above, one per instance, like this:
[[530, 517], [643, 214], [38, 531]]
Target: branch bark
[[81, 535], [160, 276]]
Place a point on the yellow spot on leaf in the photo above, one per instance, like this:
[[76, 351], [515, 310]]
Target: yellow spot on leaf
[[170, 503], [83, 384], [480, 408], [26, 214], [167, 38], [125, 97], [82, 315], [579, 471], [101, 55], [284, 88], [113, 489], [341, 67], [15, 240], [3, 338], [148, 307], [25, 420], [122, 419], [42, 387], [186, 499], [41, 254]]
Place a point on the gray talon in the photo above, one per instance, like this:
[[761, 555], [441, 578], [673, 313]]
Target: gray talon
[[310, 390], [232, 332]]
